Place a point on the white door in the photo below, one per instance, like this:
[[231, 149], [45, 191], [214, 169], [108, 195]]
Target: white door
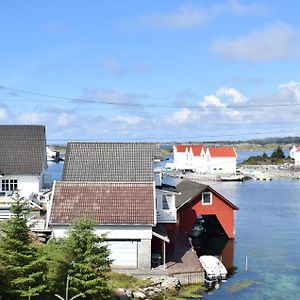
[[124, 253]]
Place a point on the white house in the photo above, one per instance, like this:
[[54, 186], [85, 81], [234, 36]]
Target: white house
[[22, 159], [113, 184], [221, 160], [295, 154], [208, 160], [190, 157], [52, 155], [125, 212]]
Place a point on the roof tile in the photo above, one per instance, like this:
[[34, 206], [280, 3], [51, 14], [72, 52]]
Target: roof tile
[[104, 202], [22, 149], [110, 162]]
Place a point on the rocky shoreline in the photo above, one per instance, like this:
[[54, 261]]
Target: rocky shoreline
[[158, 286]]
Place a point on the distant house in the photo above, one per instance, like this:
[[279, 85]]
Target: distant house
[[221, 160], [190, 157], [295, 154], [208, 160], [22, 159], [113, 184], [52, 155]]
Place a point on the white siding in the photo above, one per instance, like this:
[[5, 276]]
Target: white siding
[[297, 159], [165, 215], [27, 184], [130, 244], [132, 232], [124, 254], [222, 165]]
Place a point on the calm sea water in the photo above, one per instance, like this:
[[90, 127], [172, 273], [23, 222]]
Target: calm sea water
[[267, 233], [267, 230]]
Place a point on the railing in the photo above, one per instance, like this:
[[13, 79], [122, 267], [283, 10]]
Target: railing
[[36, 224], [164, 216]]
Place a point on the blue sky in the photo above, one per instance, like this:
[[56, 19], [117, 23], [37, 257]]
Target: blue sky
[[151, 70]]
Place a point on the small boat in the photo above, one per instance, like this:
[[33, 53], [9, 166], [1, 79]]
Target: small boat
[[197, 228], [233, 178], [213, 267]]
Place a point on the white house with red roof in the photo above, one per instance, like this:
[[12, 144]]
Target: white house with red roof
[[206, 160], [190, 157], [295, 154], [221, 160]]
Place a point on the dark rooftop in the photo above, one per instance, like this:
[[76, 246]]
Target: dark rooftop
[[110, 162], [22, 149]]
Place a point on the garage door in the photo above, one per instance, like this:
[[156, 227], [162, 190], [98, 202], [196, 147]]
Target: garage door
[[123, 253]]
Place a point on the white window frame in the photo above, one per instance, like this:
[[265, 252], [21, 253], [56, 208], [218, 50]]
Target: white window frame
[[210, 195], [11, 183], [168, 199]]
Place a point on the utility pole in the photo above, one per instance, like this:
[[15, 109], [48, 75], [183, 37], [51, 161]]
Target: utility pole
[[67, 292]]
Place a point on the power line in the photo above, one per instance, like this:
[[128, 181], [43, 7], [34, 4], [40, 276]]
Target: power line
[[157, 138], [138, 105]]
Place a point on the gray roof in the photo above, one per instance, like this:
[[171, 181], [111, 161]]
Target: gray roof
[[22, 149], [110, 162], [188, 190]]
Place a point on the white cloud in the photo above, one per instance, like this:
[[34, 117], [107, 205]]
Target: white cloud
[[116, 68], [65, 119], [232, 94], [3, 113], [192, 16], [211, 101], [237, 8], [31, 118], [131, 120], [291, 87], [278, 41], [185, 115], [109, 96], [187, 16]]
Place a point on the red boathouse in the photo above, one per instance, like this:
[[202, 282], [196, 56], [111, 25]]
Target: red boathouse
[[197, 199]]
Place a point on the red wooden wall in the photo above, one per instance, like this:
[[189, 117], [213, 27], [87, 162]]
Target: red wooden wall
[[188, 213]]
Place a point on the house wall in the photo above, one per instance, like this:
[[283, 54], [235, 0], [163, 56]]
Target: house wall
[[27, 184], [188, 213], [201, 163], [183, 160], [297, 159], [293, 151], [142, 234], [164, 215], [222, 165]]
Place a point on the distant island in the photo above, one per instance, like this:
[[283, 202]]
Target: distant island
[[263, 144], [276, 158]]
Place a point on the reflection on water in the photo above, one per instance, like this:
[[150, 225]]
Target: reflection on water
[[267, 233]]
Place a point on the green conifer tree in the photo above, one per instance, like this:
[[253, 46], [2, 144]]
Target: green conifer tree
[[278, 153], [88, 261], [22, 268]]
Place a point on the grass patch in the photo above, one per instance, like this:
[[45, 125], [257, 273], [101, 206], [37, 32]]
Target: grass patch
[[117, 280], [188, 291]]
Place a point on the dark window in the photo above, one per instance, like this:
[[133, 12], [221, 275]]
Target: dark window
[[9, 185], [165, 203], [207, 198]]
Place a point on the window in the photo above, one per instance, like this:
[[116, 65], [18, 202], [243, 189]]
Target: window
[[207, 198], [9, 185], [166, 202]]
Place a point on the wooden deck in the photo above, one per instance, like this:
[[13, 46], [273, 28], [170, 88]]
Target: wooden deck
[[184, 263]]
